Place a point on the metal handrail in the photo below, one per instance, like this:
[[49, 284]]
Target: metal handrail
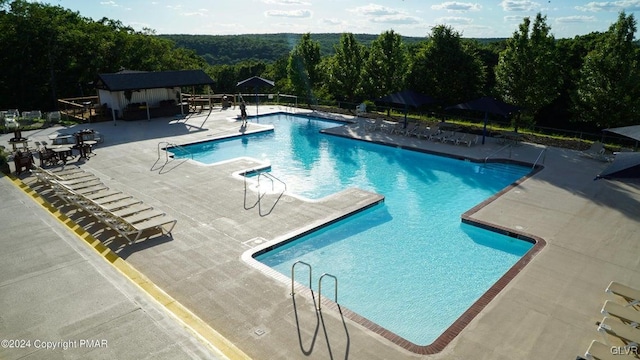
[[293, 274], [166, 153], [335, 299], [544, 151], [495, 152], [271, 177]]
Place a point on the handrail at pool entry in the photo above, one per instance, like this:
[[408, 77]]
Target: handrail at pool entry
[[499, 150], [335, 298], [293, 275], [166, 153], [544, 151]]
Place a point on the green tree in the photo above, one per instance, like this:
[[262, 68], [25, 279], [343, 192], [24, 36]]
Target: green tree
[[527, 74], [446, 68], [609, 86], [303, 70], [345, 68], [385, 66]]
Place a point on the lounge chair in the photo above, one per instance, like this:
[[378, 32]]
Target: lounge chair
[[394, 128], [374, 126], [418, 130], [626, 314], [468, 140], [454, 138], [627, 334], [442, 136], [361, 109], [409, 129], [597, 152], [600, 351], [631, 295], [429, 133]]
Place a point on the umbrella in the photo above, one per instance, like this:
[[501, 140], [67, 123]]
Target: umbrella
[[487, 105], [625, 165], [407, 98], [632, 132], [255, 82]]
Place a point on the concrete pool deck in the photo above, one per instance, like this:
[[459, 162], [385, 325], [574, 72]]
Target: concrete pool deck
[[547, 311]]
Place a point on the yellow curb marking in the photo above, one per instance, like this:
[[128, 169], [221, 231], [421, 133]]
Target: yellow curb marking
[[192, 321]]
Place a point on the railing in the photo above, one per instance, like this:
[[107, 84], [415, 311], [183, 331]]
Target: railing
[[293, 275], [335, 298], [499, 150], [261, 172], [166, 153], [543, 152]]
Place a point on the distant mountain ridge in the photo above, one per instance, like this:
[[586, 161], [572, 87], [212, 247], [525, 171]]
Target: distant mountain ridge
[[232, 49]]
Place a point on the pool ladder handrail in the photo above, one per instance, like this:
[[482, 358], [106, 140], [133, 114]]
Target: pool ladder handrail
[[543, 152], [166, 152], [293, 282], [497, 151], [260, 172]]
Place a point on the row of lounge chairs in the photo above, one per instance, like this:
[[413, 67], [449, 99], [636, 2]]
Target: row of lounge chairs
[[621, 323], [422, 131], [128, 216]]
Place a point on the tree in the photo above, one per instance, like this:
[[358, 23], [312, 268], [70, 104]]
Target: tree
[[527, 74], [303, 66], [446, 68], [386, 65], [345, 69], [609, 85]]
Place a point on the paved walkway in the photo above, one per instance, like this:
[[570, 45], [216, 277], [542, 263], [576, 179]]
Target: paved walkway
[[547, 312]]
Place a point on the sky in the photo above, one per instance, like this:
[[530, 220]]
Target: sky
[[473, 19]]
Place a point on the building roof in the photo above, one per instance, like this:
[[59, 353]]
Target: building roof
[[133, 80]]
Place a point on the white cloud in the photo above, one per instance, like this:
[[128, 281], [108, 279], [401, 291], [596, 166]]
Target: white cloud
[[109, 3], [286, 2], [289, 13], [457, 6], [199, 12], [519, 5], [331, 21], [375, 10], [454, 20], [575, 19], [398, 19], [513, 18], [627, 5]]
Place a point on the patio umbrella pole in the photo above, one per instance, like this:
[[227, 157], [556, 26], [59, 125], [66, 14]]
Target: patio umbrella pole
[[484, 128]]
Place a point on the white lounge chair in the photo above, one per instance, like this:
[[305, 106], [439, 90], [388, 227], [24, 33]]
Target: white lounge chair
[[627, 334], [626, 314], [429, 133], [631, 295], [600, 351], [361, 109], [376, 125], [597, 152], [468, 140]]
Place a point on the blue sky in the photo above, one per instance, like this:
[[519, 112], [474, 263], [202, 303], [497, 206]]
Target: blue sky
[[479, 18]]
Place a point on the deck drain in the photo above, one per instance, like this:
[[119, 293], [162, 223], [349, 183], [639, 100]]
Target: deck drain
[[254, 241], [259, 332]]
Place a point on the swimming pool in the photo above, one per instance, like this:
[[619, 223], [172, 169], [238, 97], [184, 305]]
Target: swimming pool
[[409, 265]]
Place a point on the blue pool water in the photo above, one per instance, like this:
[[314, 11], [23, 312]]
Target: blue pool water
[[410, 265]]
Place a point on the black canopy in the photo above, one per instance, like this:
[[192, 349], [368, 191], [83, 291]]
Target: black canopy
[[406, 99], [632, 132], [625, 165], [487, 105], [255, 82]]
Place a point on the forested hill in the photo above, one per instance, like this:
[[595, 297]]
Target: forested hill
[[232, 49]]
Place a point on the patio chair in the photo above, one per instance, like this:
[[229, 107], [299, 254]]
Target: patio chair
[[600, 351], [627, 334], [408, 130], [418, 130], [468, 140], [376, 125], [454, 138], [597, 152], [361, 109], [626, 314], [442, 136], [429, 133], [631, 295]]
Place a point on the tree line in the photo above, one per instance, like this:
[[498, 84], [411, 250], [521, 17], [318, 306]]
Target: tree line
[[586, 82]]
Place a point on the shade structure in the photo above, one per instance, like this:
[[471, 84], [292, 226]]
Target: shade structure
[[632, 132], [406, 99], [254, 83], [626, 165], [487, 105]]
